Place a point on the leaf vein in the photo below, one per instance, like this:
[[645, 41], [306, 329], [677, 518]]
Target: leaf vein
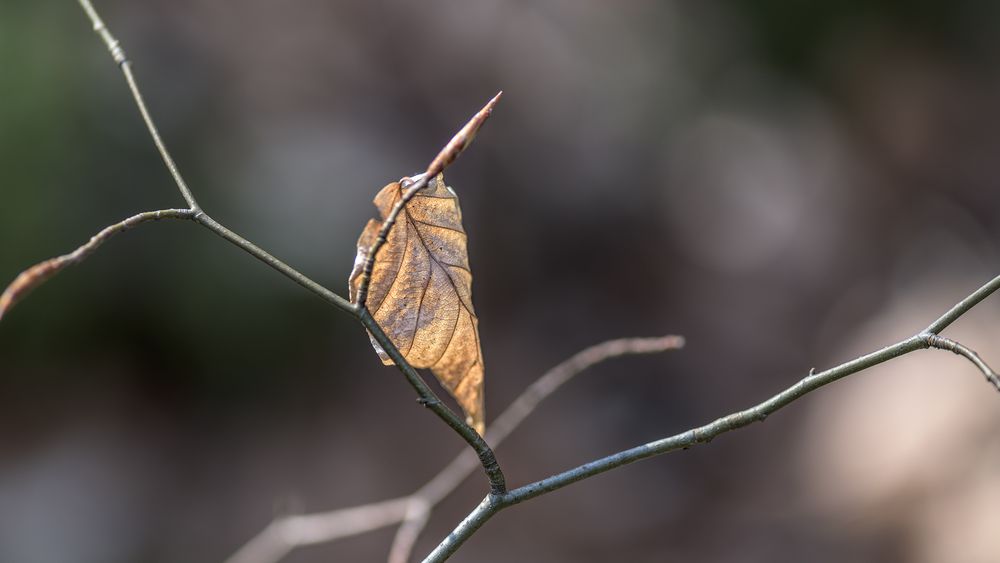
[[420, 306], [451, 338], [436, 226], [395, 275], [451, 280]]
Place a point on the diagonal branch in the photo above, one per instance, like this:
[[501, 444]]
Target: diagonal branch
[[426, 397], [37, 275], [118, 54], [706, 433], [284, 534], [424, 500], [963, 306], [445, 157], [257, 252]]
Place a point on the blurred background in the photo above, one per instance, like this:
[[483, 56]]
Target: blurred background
[[787, 184]]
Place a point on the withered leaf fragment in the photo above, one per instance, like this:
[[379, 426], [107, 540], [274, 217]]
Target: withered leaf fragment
[[420, 291]]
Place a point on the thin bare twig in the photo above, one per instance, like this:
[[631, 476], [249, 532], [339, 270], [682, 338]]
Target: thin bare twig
[[706, 433], [277, 539], [285, 534], [942, 343], [499, 498], [424, 500], [118, 54], [257, 252], [429, 399], [417, 514], [39, 273], [426, 396], [445, 157]]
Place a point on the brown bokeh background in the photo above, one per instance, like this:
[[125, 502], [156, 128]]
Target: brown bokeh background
[[788, 184]]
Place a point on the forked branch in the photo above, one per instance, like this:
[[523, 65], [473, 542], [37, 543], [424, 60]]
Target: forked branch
[[412, 512], [927, 338], [33, 277], [415, 509]]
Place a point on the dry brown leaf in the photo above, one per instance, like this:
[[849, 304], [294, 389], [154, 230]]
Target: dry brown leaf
[[420, 291]]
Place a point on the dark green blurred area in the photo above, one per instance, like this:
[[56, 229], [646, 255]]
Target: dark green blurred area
[[767, 178], [77, 157]]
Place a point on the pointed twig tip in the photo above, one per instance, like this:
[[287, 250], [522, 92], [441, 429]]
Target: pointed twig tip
[[485, 113], [462, 139]]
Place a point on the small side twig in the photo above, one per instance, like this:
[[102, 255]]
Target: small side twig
[[942, 343], [37, 275], [118, 54], [413, 511], [286, 533], [417, 515]]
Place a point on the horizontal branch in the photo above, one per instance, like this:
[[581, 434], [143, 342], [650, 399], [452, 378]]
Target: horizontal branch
[[39, 273], [285, 534], [706, 433]]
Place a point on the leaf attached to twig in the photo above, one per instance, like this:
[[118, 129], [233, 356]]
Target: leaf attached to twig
[[420, 291]]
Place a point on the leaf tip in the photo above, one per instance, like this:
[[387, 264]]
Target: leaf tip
[[493, 102]]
